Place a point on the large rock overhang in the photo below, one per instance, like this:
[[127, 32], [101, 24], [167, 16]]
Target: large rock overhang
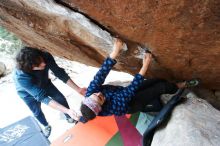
[[184, 36]]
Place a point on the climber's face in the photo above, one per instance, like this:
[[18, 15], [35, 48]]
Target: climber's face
[[98, 98]]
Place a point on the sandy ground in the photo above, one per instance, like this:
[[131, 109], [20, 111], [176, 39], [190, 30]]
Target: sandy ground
[[13, 109]]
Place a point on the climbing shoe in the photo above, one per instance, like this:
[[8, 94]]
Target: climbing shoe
[[47, 131], [192, 83]]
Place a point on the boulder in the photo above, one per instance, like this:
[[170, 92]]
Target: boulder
[[217, 94], [193, 123], [183, 35], [2, 69]]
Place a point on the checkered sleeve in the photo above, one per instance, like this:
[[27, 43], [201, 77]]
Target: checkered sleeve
[[100, 76]]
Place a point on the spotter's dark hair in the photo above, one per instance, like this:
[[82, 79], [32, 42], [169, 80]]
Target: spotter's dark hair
[[27, 57]]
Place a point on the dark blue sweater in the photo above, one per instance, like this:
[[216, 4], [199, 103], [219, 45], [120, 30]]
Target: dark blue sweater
[[33, 85], [117, 98]]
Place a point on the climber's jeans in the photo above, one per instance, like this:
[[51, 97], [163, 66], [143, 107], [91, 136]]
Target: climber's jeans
[[35, 106], [147, 98]]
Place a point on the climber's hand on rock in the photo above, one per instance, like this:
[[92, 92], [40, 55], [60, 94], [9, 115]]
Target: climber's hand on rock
[[146, 62], [147, 59], [118, 45]]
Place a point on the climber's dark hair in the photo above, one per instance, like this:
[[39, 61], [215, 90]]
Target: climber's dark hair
[[27, 57], [87, 113]]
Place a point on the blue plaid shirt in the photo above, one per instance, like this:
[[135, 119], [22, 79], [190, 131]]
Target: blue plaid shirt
[[117, 98]]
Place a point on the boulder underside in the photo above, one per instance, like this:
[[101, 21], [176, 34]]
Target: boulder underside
[[184, 36]]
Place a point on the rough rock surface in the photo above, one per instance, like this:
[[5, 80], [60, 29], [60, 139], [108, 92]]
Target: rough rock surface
[[2, 68], [208, 95], [183, 35], [193, 123]]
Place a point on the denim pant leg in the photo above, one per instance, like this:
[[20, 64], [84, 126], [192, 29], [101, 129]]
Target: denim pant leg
[[35, 107], [56, 95]]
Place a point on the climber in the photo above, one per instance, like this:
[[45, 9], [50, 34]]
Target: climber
[[34, 86], [105, 100]]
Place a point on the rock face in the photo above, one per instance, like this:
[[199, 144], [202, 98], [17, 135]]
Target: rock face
[[184, 36], [194, 123], [2, 69]]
